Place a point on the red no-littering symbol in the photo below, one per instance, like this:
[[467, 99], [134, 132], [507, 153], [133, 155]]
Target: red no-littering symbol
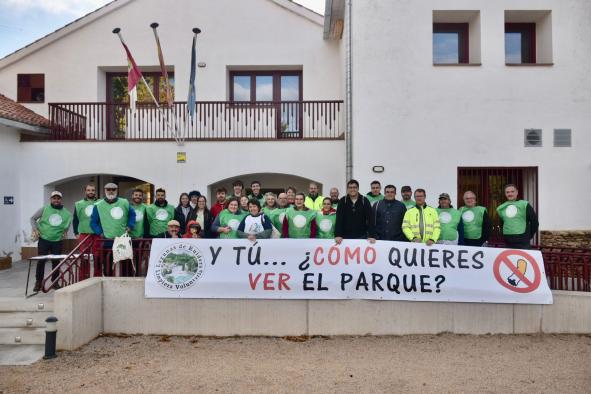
[[505, 258]]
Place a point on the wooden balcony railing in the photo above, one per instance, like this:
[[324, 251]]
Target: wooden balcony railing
[[213, 120]]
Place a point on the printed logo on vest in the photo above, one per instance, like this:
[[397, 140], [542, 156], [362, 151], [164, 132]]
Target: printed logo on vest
[[116, 213], [299, 221], [161, 214], [233, 224], [88, 210], [139, 216], [325, 225], [511, 211], [281, 217], [179, 267], [55, 220], [468, 216], [444, 217]]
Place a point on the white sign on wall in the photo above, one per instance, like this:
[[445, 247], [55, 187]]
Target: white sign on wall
[[356, 269]]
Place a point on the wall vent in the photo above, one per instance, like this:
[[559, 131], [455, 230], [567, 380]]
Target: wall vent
[[562, 138], [533, 138]]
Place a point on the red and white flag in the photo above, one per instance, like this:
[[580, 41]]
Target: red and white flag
[[134, 75]]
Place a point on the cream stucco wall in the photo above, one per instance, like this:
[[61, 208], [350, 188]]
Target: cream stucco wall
[[422, 121]]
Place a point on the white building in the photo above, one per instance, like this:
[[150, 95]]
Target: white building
[[474, 122]]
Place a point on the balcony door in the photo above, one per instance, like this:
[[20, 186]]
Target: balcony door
[[279, 89], [118, 98]]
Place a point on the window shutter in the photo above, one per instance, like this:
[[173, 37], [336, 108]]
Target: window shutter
[[532, 138], [562, 138]]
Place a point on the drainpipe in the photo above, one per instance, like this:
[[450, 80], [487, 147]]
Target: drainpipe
[[348, 94]]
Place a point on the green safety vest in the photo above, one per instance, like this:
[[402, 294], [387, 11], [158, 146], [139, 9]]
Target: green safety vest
[[299, 222], [373, 199], [409, 204], [84, 210], [473, 219], [449, 219], [314, 204], [158, 218], [140, 213], [229, 219], [53, 223], [276, 215], [114, 217], [513, 214], [325, 225], [261, 199]]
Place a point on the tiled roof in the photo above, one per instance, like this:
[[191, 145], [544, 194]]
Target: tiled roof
[[9, 109]]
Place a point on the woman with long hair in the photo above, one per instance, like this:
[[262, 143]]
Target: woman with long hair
[[227, 222], [183, 211], [202, 215]]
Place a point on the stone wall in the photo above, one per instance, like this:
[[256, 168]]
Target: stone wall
[[573, 239]]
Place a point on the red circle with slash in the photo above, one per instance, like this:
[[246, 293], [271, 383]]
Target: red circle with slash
[[503, 258]]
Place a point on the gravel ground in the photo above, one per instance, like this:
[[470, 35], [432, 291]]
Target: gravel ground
[[421, 363]]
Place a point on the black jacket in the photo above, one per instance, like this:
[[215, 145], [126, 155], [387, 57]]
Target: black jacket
[[207, 219], [180, 217], [353, 220], [386, 220]]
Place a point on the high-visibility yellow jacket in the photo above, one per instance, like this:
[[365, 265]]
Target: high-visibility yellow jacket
[[314, 204], [431, 226]]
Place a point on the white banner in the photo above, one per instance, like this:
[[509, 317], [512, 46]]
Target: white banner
[[356, 269]]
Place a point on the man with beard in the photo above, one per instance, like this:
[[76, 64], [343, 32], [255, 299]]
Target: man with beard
[[406, 192], [137, 203], [83, 211], [81, 224], [334, 197], [159, 214], [112, 217], [220, 197], [313, 200], [50, 225], [173, 228]]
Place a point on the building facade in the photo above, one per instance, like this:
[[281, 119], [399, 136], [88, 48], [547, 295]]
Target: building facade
[[444, 95]]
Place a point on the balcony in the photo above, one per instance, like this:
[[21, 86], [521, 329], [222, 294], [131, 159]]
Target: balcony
[[213, 121]]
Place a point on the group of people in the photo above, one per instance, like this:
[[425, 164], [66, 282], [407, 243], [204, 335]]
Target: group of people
[[290, 214]]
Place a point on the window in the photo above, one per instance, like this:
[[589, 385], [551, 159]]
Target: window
[[456, 37], [253, 86], [450, 43], [31, 88], [117, 87], [528, 37], [520, 43]]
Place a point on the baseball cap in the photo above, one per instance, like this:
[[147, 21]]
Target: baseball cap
[[405, 189], [444, 195], [111, 186], [173, 223], [56, 193]]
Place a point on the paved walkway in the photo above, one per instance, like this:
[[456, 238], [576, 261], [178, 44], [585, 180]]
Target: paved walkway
[[12, 281]]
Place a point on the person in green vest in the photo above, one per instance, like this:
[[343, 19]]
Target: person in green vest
[[476, 221], [299, 221], [159, 214], [325, 220], [227, 222], [450, 220], [137, 203], [406, 193], [313, 200], [83, 211], [277, 214], [255, 186], [244, 204], [519, 220], [111, 217], [375, 194], [334, 197], [50, 225], [81, 225]]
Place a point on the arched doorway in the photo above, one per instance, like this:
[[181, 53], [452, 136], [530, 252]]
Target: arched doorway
[[270, 182]]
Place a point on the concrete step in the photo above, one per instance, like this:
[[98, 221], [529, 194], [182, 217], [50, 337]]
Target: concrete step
[[19, 304], [24, 336], [24, 319]]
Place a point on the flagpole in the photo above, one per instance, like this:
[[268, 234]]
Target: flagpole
[[163, 70], [117, 31]]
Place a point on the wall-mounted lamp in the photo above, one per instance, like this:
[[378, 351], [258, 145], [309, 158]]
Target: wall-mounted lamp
[[378, 169], [201, 64]]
